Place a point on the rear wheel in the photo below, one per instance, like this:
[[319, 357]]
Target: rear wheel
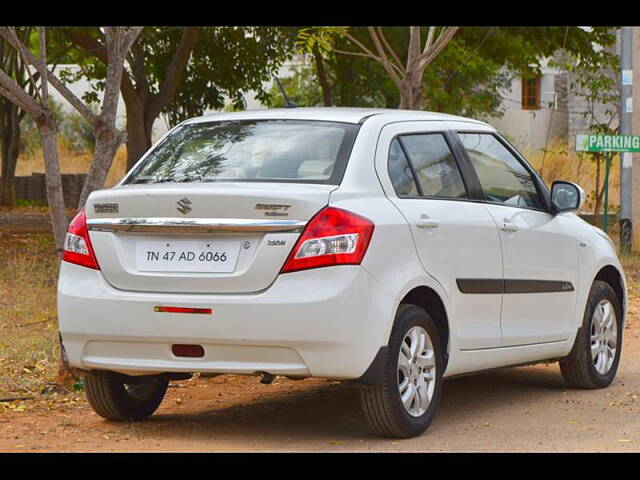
[[404, 402], [593, 361], [121, 398]]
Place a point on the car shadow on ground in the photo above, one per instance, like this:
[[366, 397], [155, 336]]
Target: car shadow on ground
[[332, 411]]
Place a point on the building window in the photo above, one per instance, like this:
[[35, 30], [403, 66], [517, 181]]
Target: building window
[[530, 93]]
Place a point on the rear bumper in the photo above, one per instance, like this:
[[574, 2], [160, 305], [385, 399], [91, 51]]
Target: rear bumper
[[327, 322]]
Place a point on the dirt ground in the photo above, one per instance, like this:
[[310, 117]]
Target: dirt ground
[[517, 409]]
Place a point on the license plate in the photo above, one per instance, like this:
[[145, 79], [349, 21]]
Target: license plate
[[219, 256]]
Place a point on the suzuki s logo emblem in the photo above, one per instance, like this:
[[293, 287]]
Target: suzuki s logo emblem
[[183, 205]]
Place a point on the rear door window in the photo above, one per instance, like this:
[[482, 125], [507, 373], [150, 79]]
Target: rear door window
[[423, 165], [400, 172]]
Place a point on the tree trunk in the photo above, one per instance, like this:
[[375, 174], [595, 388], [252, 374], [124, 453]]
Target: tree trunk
[[322, 77], [9, 153], [408, 102], [47, 130], [10, 149], [137, 141], [107, 143], [145, 106], [411, 94], [139, 130]]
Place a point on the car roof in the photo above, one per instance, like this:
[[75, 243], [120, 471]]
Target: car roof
[[333, 114]]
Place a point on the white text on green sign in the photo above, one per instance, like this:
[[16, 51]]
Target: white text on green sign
[[607, 143]]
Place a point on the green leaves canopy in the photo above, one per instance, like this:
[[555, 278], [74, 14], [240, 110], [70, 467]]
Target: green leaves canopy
[[469, 74], [226, 62]]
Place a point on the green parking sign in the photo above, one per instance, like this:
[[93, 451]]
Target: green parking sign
[[607, 143]]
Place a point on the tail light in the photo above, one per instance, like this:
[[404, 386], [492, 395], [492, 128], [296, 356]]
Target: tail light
[[77, 245], [332, 237]]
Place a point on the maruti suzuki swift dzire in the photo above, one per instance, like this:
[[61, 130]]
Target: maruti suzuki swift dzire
[[391, 248]]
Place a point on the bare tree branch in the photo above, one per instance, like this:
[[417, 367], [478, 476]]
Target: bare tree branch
[[136, 62], [174, 71], [78, 104], [414, 47], [388, 46], [14, 93], [93, 46], [383, 59], [444, 38], [356, 54], [44, 83], [21, 51], [427, 44], [360, 45], [130, 36]]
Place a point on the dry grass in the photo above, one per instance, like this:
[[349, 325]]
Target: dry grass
[[28, 322], [560, 164], [73, 162]]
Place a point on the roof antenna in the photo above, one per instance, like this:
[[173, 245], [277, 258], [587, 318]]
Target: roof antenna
[[288, 102]]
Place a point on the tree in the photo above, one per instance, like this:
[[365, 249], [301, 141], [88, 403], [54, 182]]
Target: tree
[[345, 81], [597, 84], [11, 114], [182, 71], [406, 72], [34, 100], [468, 77], [144, 99], [108, 138]]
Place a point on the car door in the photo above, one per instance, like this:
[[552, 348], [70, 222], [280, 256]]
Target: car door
[[539, 252], [455, 238]]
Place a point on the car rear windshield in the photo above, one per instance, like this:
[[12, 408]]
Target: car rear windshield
[[256, 151]]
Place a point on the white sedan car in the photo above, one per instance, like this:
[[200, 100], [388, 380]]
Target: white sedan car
[[393, 248]]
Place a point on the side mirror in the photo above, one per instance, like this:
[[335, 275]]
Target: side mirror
[[566, 196]]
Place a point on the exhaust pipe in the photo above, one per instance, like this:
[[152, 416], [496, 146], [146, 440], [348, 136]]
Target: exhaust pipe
[[267, 378]]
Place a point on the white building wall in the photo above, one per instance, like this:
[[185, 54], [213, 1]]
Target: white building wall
[[531, 130]]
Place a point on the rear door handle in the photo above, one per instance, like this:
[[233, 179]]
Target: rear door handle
[[509, 227], [427, 223]]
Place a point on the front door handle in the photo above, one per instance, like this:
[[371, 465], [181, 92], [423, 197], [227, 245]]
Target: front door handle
[[509, 227], [425, 222]]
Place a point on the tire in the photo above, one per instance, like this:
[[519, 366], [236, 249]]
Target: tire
[[382, 403], [581, 369], [112, 398]]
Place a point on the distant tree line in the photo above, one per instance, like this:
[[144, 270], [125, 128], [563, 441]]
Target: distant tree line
[[180, 72]]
